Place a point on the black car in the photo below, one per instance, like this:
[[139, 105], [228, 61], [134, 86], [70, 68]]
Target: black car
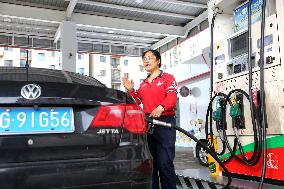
[[59, 129]]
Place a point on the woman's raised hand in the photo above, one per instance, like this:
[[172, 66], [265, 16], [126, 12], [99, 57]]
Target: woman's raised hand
[[128, 84]]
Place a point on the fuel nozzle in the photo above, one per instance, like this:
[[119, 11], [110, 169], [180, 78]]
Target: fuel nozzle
[[236, 111], [218, 114], [157, 122]]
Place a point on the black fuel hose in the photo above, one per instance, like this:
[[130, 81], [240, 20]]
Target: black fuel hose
[[256, 130], [207, 124], [209, 113], [262, 96], [165, 124], [212, 63], [257, 140], [256, 120]]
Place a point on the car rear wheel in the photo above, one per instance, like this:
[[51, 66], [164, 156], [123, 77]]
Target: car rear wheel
[[202, 155]]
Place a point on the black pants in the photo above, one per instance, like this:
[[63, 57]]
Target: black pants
[[162, 147]]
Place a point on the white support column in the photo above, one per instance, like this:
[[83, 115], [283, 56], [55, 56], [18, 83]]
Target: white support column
[[68, 45], [92, 65]]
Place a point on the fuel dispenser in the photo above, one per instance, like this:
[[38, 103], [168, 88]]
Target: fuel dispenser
[[246, 111]]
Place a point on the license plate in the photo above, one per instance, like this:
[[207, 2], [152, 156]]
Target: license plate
[[19, 121]]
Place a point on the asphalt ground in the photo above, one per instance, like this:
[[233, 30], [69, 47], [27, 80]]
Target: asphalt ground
[[184, 159]]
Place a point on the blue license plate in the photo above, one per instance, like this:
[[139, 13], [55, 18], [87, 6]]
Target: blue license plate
[[17, 121]]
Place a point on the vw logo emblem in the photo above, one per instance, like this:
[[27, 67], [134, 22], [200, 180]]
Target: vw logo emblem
[[31, 91]]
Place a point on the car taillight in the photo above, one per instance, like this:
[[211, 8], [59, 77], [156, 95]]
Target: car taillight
[[109, 116], [130, 115], [134, 120]]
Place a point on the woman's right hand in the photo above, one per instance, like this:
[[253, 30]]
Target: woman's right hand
[[129, 85]]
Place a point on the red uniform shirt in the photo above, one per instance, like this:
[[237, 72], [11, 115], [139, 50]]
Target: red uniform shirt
[[161, 91]]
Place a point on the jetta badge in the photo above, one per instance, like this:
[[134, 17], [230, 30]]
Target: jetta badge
[[31, 91]]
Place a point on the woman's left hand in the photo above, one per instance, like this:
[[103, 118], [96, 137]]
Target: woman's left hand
[[157, 112]]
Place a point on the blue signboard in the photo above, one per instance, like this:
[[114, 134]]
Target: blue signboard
[[241, 14]]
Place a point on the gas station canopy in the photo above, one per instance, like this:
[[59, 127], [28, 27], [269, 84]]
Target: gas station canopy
[[107, 26]]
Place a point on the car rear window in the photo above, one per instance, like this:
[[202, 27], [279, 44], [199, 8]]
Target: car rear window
[[46, 75]]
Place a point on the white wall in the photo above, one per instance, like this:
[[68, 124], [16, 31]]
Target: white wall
[[185, 61], [82, 62], [40, 62], [11, 54], [97, 66], [195, 105], [133, 69], [54, 59], [189, 56]]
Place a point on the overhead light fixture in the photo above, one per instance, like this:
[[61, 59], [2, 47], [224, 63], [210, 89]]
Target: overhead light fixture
[[110, 32], [7, 20]]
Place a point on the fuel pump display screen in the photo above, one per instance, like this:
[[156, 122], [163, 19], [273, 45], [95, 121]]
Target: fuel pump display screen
[[239, 45], [241, 14]]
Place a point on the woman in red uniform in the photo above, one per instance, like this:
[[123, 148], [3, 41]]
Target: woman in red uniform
[[158, 94]]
